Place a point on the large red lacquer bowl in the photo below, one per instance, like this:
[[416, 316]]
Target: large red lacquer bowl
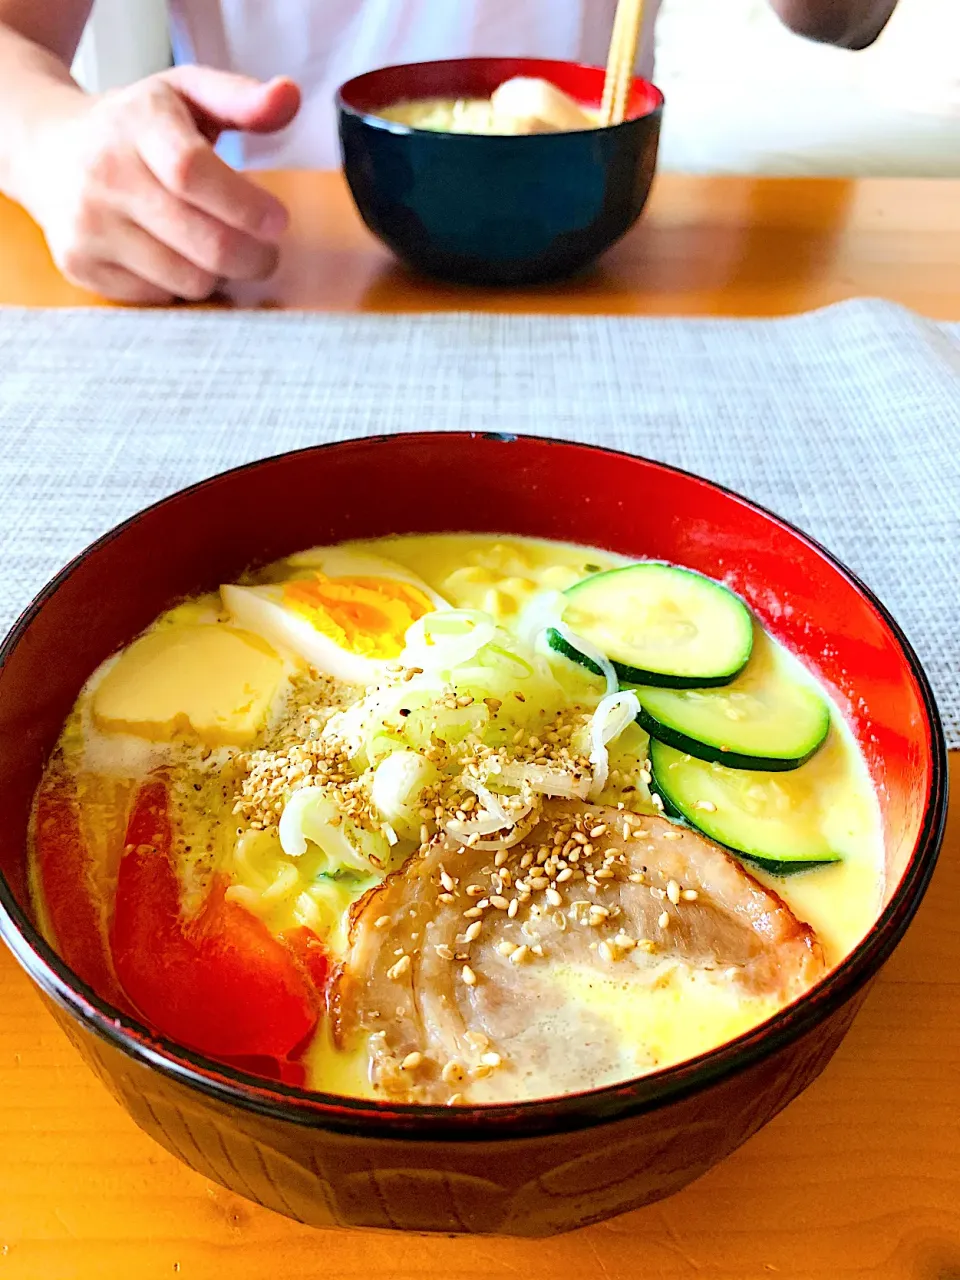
[[535, 1167]]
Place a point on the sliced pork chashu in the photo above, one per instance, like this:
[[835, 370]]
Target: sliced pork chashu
[[476, 982]]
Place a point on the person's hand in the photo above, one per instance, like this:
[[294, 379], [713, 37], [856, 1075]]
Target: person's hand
[[132, 198]]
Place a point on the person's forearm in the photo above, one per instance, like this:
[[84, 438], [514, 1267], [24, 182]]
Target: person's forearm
[[852, 24], [35, 88]]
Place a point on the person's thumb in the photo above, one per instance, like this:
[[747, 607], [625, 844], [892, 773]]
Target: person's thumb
[[221, 100]]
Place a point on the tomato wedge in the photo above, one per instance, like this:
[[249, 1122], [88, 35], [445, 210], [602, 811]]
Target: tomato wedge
[[73, 905], [218, 982], [312, 955]]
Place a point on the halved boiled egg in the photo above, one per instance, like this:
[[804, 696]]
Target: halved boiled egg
[[345, 614], [344, 562]]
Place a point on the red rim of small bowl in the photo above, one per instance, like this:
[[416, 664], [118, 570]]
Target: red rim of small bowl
[[507, 1120], [520, 66]]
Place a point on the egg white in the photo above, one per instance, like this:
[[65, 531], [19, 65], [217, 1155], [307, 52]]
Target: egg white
[[263, 610], [342, 562]]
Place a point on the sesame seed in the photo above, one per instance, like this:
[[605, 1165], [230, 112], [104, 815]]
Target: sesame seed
[[452, 1073], [598, 831], [381, 922], [447, 881], [411, 1061], [538, 882], [521, 953], [469, 977], [664, 920], [472, 913], [565, 875], [490, 1059], [506, 947], [443, 951], [513, 908], [644, 944], [606, 952], [500, 903], [501, 858], [400, 968], [446, 897], [673, 891], [473, 931], [706, 805], [537, 949], [689, 895], [555, 899]]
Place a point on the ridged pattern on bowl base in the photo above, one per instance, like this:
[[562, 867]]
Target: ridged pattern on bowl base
[[529, 1187]]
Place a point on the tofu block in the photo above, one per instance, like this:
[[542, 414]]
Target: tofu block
[[210, 683]]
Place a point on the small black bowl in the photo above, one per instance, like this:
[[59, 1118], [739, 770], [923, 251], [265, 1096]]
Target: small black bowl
[[495, 210]]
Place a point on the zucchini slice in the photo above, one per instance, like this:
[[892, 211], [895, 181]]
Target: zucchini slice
[[765, 718], [772, 819], [659, 625]]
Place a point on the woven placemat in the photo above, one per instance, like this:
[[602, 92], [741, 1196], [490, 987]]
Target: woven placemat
[[845, 421]]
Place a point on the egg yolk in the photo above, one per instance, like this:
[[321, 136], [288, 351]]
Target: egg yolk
[[367, 616]]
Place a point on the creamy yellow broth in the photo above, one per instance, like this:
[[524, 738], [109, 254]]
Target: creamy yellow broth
[[199, 703]]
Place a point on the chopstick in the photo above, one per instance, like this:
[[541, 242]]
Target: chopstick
[[622, 61]]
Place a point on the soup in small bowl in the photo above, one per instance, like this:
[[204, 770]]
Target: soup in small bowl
[[496, 170], [345, 838]]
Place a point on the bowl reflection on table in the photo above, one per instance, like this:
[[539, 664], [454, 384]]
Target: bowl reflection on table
[[523, 1168], [495, 210]]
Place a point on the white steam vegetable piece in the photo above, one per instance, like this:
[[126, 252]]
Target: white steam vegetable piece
[[540, 613], [507, 833], [611, 717], [546, 779], [533, 105], [261, 610], [398, 783], [310, 815], [593, 653], [490, 802], [446, 639], [543, 613]]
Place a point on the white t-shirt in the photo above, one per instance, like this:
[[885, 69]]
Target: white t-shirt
[[322, 43]]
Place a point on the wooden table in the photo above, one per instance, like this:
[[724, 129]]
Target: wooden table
[[861, 1176]]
